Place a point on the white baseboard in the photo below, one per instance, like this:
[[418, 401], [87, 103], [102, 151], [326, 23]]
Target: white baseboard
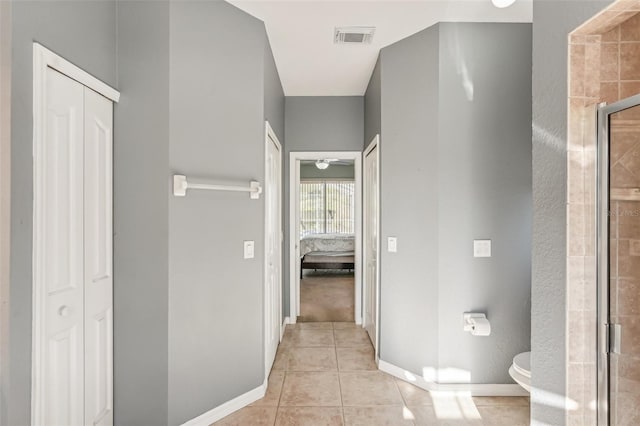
[[286, 321], [228, 407], [474, 389]]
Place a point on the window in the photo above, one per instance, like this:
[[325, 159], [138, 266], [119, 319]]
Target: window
[[327, 207]]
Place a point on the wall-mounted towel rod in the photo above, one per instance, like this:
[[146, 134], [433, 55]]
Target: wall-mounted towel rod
[[180, 186]]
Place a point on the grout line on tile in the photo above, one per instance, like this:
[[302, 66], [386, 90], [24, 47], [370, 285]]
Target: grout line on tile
[[281, 391], [404, 401], [335, 349]]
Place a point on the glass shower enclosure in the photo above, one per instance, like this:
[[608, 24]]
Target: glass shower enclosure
[[618, 262]]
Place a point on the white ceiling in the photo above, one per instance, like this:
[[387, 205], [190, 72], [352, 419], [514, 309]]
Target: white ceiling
[[310, 64]]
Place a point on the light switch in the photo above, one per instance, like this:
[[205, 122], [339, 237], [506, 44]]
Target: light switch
[[249, 249], [392, 244], [481, 248]]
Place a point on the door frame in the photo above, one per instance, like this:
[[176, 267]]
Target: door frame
[[294, 220], [604, 336], [374, 144], [270, 135], [43, 59]]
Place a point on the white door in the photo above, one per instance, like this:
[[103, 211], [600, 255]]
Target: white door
[[98, 282], [273, 247], [371, 243], [72, 240], [61, 236]]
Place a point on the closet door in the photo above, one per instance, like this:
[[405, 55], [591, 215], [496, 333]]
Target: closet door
[[273, 249], [60, 255], [98, 280], [72, 346]]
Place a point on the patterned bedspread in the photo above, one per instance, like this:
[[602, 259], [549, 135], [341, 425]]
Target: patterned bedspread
[[327, 243]]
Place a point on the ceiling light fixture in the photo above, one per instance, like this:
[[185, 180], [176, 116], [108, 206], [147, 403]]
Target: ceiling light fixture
[[501, 4], [322, 164]]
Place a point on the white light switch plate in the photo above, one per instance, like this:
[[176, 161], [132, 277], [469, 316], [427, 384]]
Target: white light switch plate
[[481, 248], [392, 244], [249, 247]]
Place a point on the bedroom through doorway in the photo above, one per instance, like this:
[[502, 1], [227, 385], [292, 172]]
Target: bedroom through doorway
[[325, 233]]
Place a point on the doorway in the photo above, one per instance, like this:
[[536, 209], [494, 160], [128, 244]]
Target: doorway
[[325, 237], [72, 245], [618, 254]]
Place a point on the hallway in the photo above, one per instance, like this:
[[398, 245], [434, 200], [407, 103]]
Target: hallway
[[325, 374]]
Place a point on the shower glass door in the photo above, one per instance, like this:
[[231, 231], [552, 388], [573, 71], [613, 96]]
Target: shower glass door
[[619, 263]]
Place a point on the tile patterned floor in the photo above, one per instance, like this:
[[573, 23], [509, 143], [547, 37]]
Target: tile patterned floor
[[327, 296], [325, 374]]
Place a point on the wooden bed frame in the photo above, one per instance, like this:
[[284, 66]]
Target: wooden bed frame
[[315, 260]]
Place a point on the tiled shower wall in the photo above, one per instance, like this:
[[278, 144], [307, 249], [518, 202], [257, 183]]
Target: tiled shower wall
[[604, 67]]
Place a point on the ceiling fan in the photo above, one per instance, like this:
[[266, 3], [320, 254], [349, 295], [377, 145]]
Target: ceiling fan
[[323, 164]]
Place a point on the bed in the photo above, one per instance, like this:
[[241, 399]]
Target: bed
[[327, 251]]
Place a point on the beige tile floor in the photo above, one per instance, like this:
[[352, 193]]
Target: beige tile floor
[[327, 296], [324, 374]]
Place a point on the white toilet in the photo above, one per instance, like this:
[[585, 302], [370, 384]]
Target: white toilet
[[520, 370]]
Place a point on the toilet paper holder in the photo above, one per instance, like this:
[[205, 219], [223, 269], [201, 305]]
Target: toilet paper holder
[[472, 320]]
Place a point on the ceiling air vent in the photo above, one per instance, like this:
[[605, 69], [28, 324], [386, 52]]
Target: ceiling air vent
[[353, 35]]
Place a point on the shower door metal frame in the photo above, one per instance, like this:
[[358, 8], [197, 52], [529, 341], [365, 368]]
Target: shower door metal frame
[[606, 339]]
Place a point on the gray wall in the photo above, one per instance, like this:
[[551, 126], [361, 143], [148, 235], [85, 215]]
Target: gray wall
[[141, 214], [88, 39], [372, 106], [553, 20], [318, 123], [465, 158], [334, 171], [409, 206], [217, 114], [484, 192], [172, 309], [5, 190], [273, 94], [324, 123]]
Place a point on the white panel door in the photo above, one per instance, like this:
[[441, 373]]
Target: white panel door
[[61, 259], [98, 279], [371, 243], [273, 244], [73, 255]]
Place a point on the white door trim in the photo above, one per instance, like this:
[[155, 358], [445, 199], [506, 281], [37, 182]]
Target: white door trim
[[294, 197], [375, 143], [42, 60], [270, 135]]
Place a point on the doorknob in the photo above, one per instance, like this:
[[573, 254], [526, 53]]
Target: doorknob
[[63, 311]]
